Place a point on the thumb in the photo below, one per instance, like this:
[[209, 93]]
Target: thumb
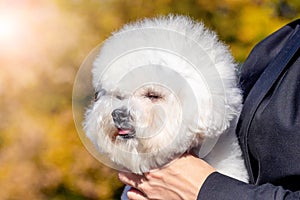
[[134, 194]]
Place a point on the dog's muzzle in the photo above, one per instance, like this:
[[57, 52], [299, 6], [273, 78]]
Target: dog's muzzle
[[122, 120]]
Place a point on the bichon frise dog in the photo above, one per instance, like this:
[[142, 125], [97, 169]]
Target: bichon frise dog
[[163, 87]]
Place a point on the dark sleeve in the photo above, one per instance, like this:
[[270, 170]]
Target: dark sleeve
[[221, 187]]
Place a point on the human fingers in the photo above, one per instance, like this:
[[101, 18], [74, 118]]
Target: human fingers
[[133, 180], [134, 194]]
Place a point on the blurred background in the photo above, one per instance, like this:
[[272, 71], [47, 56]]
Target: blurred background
[[42, 44]]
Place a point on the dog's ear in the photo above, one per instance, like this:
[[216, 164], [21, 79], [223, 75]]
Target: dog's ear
[[219, 112]]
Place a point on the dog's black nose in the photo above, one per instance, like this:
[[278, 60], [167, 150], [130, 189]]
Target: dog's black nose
[[120, 115], [123, 122]]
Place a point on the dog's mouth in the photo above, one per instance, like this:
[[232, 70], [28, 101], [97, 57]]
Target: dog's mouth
[[125, 133]]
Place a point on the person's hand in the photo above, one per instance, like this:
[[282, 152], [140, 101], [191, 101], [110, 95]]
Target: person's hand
[[182, 179]]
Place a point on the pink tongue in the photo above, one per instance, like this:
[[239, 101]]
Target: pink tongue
[[123, 132]]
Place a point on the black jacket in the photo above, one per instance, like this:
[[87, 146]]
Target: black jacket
[[271, 144]]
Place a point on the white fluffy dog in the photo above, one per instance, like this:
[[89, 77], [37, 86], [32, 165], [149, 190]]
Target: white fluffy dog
[[165, 86]]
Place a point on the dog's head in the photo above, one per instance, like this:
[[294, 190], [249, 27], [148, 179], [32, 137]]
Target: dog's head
[[161, 87]]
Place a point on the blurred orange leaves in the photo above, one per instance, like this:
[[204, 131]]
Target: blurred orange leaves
[[42, 44]]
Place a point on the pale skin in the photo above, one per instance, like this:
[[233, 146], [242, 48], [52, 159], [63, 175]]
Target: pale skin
[[182, 179]]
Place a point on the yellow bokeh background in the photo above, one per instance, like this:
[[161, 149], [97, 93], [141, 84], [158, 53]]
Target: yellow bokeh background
[[42, 44]]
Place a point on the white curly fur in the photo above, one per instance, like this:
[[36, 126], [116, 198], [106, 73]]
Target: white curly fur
[[215, 89]]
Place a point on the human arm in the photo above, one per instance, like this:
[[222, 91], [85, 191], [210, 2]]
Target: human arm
[[180, 180], [218, 186]]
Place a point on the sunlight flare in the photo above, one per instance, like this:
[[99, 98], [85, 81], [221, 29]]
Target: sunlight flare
[[10, 28]]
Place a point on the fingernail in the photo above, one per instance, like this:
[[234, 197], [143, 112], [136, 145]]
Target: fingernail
[[133, 195], [120, 176]]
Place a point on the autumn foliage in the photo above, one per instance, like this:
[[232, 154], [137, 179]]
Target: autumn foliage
[[42, 44]]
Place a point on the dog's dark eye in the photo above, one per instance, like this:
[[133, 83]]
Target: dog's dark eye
[[153, 96], [120, 97], [96, 97], [98, 94]]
